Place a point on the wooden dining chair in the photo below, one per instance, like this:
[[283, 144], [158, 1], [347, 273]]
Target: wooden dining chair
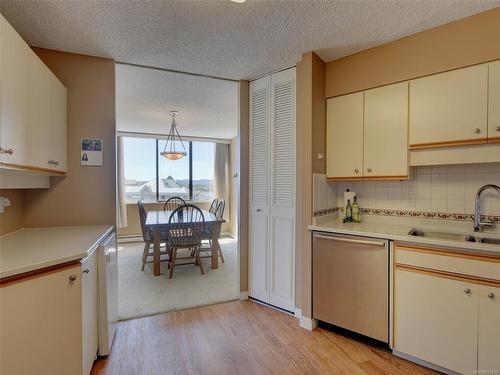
[[213, 206], [185, 232], [172, 203], [207, 233], [147, 237]]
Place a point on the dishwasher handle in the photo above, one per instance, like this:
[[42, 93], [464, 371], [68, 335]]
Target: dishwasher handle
[[351, 240]]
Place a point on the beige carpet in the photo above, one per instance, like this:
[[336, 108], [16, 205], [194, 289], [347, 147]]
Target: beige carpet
[[140, 293]]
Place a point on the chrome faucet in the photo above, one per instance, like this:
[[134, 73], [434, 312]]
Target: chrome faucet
[[478, 226]]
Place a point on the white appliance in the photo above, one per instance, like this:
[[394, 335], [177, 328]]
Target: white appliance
[[108, 292]]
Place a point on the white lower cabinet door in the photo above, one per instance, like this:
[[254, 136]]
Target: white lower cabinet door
[[435, 319], [90, 328], [40, 325], [489, 330]]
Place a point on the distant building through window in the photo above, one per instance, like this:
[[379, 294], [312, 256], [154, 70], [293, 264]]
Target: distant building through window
[[150, 177]]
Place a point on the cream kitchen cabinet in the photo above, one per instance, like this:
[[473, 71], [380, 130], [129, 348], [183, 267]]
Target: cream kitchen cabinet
[[344, 137], [33, 109], [385, 135], [367, 134], [14, 89], [446, 309], [449, 109], [49, 321], [494, 102], [435, 319], [489, 328]]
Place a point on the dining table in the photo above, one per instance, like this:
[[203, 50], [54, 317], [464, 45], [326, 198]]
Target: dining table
[[158, 222]]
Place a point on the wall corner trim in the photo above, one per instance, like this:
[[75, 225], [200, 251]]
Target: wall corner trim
[[308, 323], [243, 296], [298, 313]]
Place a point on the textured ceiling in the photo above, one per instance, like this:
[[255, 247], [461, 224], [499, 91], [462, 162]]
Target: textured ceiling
[[226, 39], [144, 98]]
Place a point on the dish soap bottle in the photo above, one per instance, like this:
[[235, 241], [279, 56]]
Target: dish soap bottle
[[348, 212], [356, 217]]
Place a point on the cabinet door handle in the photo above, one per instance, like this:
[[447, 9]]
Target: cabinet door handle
[[368, 169], [467, 291], [72, 278], [498, 128], [477, 130], [86, 270], [350, 240], [356, 170], [56, 162], [491, 295]]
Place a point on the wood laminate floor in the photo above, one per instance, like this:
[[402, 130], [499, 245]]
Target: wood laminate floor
[[240, 337]]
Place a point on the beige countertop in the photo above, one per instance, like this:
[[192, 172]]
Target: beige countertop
[[28, 250], [396, 229]]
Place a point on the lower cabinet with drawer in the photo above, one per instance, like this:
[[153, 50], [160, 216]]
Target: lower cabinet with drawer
[[48, 321], [444, 314]]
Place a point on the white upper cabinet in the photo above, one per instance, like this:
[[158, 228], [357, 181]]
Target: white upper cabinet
[[344, 136], [33, 109], [494, 102], [386, 132], [449, 108], [14, 89]]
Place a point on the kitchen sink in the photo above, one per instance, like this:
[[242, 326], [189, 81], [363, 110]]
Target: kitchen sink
[[453, 236], [493, 241], [442, 235]]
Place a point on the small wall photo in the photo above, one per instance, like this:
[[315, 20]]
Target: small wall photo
[[91, 152]]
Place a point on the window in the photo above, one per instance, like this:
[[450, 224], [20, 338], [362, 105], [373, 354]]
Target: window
[[203, 171], [139, 164], [150, 177], [173, 175]]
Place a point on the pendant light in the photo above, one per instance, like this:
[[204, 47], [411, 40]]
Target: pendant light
[[170, 152]]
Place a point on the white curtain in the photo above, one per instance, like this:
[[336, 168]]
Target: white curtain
[[121, 206], [221, 175]]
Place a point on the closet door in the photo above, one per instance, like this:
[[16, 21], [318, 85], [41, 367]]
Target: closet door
[[259, 189], [281, 262]]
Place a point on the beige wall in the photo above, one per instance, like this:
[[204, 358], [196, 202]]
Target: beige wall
[[12, 218], [469, 41], [310, 142], [243, 135], [86, 195]]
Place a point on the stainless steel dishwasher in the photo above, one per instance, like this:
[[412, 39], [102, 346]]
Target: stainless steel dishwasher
[[351, 283]]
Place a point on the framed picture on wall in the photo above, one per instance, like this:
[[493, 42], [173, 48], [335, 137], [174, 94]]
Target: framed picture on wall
[[91, 152]]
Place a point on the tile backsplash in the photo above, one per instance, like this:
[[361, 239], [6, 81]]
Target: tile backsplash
[[445, 189]]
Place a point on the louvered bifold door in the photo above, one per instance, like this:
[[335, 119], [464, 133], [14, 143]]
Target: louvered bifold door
[[282, 218], [259, 188]]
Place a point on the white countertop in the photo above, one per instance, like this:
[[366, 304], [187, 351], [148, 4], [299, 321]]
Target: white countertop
[[30, 249], [396, 229]]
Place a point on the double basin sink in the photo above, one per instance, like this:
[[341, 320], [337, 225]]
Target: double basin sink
[[453, 236]]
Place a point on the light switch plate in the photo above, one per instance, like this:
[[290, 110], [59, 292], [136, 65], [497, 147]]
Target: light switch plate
[[4, 202]]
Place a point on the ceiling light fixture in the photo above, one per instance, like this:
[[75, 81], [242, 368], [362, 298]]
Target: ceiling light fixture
[[238, 1], [170, 152]]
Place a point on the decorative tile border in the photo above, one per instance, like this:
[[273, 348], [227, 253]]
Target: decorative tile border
[[415, 214], [326, 211]]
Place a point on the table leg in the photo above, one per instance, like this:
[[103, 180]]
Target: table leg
[[215, 245], [156, 251]]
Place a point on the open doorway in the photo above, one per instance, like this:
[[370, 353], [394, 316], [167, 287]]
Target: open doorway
[[207, 123]]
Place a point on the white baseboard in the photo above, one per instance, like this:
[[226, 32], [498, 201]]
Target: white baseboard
[[298, 313], [308, 323], [243, 296]]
